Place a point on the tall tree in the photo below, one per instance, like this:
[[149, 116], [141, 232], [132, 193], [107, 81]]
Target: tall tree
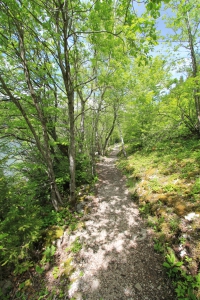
[[45, 52], [184, 21]]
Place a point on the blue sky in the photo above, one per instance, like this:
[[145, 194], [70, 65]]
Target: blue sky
[[162, 48]]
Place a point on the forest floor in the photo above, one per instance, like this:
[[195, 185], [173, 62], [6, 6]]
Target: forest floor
[[117, 260]]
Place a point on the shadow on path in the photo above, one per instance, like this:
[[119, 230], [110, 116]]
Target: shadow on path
[[117, 260]]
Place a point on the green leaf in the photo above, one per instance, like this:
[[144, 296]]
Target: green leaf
[[180, 263], [165, 264], [39, 270]]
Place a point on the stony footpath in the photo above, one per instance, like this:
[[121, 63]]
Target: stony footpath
[[117, 260]]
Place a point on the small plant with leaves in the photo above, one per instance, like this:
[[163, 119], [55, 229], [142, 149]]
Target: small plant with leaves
[[145, 209], [182, 240], [171, 264], [38, 269], [76, 246], [174, 224], [158, 246], [48, 254], [56, 272], [185, 285], [154, 185], [188, 259]]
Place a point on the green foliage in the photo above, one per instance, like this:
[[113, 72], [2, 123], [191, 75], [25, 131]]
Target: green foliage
[[174, 224], [3, 296], [20, 226], [43, 108], [154, 185], [182, 21], [38, 269], [158, 246], [185, 285], [196, 187], [23, 222], [63, 217], [76, 246], [165, 197], [3, 187], [55, 272], [172, 265], [145, 209], [48, 254], [83, 174]]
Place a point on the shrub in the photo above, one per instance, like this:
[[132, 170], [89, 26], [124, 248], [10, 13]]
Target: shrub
[[20, 225]]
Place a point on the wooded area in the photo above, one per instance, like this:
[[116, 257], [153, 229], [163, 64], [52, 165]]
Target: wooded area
[[76, 77]]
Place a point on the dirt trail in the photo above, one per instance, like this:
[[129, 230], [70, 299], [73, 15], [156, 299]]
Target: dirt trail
[[117, 261]]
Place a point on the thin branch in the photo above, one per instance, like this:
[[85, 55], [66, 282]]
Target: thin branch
[[17, 138], [97, 31], [83, 83]]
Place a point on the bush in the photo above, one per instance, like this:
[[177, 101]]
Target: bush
[[20, 225]]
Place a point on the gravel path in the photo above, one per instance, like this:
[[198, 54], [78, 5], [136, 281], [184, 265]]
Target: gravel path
[[117, 261]]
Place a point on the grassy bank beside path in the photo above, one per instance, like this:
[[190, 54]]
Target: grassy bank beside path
[[165, 182]]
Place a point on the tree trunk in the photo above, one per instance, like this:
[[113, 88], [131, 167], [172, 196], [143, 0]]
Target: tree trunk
[[122, 140], [110, 132], [45, 149], [82, 123], [64, 24], [72, 153], [194, 70]]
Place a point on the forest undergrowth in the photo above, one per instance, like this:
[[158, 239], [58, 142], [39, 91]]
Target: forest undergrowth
[[165, 182], [29, 251]]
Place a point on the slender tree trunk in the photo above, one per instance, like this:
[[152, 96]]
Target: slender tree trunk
[[43, 149], [72, 153], [46, 153], [82, 123], [110, 132], [93, 139], [122, 139], [194, 70], [97, 147], [64, 26]]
